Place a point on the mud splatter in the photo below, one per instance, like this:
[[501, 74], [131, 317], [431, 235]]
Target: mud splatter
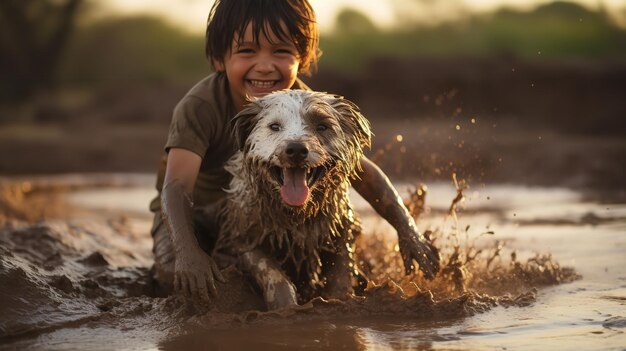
[[58, 272]]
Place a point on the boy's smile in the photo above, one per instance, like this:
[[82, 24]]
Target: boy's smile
[[263, 87], [257, 68]]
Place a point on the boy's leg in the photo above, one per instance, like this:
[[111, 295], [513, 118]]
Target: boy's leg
[[206, 225]]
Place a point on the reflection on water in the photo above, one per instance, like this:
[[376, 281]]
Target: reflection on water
[[588, 314], [372, 333], [133, 199]]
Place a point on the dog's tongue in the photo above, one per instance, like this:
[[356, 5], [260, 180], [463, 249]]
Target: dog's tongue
[[294, 191]]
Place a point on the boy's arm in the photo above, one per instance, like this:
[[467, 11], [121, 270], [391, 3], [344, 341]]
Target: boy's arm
[[194, 270], [376, 188]]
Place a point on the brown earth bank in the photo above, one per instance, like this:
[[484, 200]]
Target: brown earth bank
[[556, 123], [567, 95]]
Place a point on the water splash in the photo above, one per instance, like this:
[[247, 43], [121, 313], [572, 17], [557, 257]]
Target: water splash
[[66, 273]]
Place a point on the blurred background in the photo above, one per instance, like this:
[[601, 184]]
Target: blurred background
[[509, 91]]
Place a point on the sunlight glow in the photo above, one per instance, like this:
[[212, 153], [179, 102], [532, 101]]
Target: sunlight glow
[[191, 14]]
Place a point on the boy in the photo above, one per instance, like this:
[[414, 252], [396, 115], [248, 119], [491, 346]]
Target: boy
[[256, 47]]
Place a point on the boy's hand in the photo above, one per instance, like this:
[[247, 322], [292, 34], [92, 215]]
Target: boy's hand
[[195, 273], [413, 246]]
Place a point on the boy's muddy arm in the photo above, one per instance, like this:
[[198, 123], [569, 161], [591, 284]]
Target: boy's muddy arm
[[194, 270], [376, 188]]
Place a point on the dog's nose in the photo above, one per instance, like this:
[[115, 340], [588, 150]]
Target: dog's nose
[[296, 152]]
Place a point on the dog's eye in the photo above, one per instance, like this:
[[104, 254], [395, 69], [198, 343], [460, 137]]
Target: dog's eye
[[321, 127], [275, 127]]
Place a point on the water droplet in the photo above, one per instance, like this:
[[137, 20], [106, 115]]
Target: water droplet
[[458, 127], [539, 52], [27, 186], [473, 120], [399, 138]]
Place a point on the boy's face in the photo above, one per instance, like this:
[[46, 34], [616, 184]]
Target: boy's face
[[257, 69]]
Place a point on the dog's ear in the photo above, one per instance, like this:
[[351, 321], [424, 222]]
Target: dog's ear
[[352, 121], [243, 123]]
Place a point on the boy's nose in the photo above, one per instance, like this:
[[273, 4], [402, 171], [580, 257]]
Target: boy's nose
[[265, 66]]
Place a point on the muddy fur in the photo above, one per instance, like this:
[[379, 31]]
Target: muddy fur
[[300, 238]]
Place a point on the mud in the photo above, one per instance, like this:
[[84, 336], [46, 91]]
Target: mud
[[66, 267]]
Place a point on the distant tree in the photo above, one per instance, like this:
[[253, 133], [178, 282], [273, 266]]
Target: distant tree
[[33, 36], [350, 21]]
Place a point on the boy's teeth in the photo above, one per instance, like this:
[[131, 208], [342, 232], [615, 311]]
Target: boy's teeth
[[263, 84]]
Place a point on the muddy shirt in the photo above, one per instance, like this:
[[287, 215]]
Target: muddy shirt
[[201, 124]]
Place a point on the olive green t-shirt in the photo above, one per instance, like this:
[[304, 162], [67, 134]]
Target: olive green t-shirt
[[201, 124]]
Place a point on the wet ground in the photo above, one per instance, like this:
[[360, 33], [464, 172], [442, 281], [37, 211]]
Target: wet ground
[[541, 268]]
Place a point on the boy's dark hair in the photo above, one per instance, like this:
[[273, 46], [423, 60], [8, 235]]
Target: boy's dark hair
[[228, 18]]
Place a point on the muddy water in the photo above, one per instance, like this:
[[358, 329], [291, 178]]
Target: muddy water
[[77, 278]]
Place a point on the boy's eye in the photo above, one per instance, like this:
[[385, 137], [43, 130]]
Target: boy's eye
[[245, 51], [321, 127], [275, 127], [284, 51]]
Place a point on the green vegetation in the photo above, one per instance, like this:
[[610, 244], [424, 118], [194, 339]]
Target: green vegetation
[[553, 31], [133, 51]]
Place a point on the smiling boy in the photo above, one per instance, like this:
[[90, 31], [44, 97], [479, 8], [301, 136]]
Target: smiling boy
[[256, 47]]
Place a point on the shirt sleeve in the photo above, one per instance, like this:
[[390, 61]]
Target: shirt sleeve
[[189, 127]]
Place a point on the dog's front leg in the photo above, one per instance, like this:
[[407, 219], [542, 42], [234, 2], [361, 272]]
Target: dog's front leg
[[337, 271], [278, 291]]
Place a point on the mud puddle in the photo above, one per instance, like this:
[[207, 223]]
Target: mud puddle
[[528, 268]]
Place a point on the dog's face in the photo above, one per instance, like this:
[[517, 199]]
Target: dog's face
[[300, 140]]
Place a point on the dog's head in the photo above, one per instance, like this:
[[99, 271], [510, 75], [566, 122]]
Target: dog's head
[[302, 141]]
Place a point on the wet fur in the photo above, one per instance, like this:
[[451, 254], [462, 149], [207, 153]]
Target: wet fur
[[300, 239]]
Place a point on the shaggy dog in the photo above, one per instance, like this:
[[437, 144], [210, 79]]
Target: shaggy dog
[[288, 218]]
